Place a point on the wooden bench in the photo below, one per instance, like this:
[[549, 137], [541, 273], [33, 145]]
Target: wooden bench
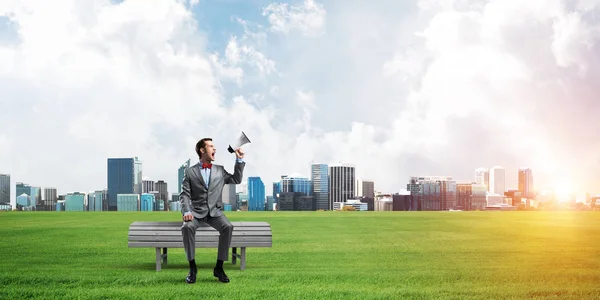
[[168, 235]]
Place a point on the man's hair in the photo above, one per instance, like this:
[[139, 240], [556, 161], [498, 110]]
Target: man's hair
[[201, 144]]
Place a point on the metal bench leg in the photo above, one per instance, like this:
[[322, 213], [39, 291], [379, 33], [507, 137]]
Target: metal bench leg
[[164, 256], [157, 259], [243, 263], [233, 255]]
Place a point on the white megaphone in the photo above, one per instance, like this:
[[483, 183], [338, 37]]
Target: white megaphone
[[242, 140]]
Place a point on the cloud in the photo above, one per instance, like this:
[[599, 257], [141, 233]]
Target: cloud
[[308, 17], [421, 88]]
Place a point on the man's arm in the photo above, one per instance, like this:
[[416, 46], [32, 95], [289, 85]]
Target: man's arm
[[238, 172], [185, 196]]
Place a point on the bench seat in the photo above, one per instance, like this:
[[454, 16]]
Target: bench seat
[[164, 235]]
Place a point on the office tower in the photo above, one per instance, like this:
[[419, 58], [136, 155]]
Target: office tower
[[181, 173], [320, 186], [124, 177], [34, 193], [128, 202], [49, 199], [75, 202], [296, 183], [276, 191], [526, 183], [269, 203], [147, 185], [471, 196], [482, 176], [497, 184], [256, 194], [4, 188], [364, 188], [432, 193], [228, 196], [341, 182], [161, 188], [99, 201]]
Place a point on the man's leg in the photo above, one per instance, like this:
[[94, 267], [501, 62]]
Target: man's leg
[[188, 231], [225, 229]]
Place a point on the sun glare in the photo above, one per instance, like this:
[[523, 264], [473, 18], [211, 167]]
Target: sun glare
[[563, 190]]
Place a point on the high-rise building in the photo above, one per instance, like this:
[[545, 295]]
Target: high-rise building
[[162, 189], [181, 173], [526, 183], [99, 198], [228, 196], [296, 183], [75, 202], [256, 194], [49, 198], [124, 177], [482, 176], [36, 195], [4, 188], [497, 180], [320, 186], [432, 193], [128, 202], [137, 176], [148, 185], [341, 182], [471, 196], [276, 191], [364, 188]]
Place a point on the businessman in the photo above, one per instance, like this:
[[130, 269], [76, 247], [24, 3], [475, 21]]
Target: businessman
[[201, 203]]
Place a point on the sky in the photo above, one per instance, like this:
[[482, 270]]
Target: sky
[[397, 88]]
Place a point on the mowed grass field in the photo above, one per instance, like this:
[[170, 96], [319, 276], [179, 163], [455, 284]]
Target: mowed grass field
[[315, 255]]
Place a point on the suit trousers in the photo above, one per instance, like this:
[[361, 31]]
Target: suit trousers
[[221, 224]]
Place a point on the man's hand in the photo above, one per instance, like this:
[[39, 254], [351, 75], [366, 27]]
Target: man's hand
[[239, 153], [188, 217]]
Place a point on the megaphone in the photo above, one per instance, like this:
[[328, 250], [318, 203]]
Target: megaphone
[[242, 140]]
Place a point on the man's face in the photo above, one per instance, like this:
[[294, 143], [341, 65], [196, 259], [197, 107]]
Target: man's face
[[209, 150]]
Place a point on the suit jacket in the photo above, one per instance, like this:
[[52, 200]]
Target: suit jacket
[[202, 200]]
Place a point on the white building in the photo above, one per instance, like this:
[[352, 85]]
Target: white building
[[497, 180]]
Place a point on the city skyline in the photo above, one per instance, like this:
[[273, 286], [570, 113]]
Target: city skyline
[[399, 89], [287, 183]]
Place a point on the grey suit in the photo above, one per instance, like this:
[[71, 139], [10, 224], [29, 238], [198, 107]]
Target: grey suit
[[204, 202]]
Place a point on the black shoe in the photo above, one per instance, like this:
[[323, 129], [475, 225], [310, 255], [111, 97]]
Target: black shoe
[[219, 273], [191, 277]]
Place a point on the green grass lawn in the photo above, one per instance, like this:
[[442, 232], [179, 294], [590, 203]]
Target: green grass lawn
[[328, 255]]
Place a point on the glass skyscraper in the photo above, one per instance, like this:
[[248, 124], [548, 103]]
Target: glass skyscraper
[[128, 202], [124, 177], [181, 172], [276, 190], [5, 188], [320, 186], [256, 194], [75, 202], [296, 183]]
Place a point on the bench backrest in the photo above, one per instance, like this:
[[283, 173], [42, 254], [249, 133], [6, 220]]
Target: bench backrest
[[168, 235]]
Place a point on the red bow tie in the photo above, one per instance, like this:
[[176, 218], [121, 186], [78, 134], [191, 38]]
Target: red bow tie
[[206, 166]]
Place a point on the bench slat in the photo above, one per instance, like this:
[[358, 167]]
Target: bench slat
[[178, 228], [198, 233], [142, 238], [247, 224], [215, 239], [198, 244]]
